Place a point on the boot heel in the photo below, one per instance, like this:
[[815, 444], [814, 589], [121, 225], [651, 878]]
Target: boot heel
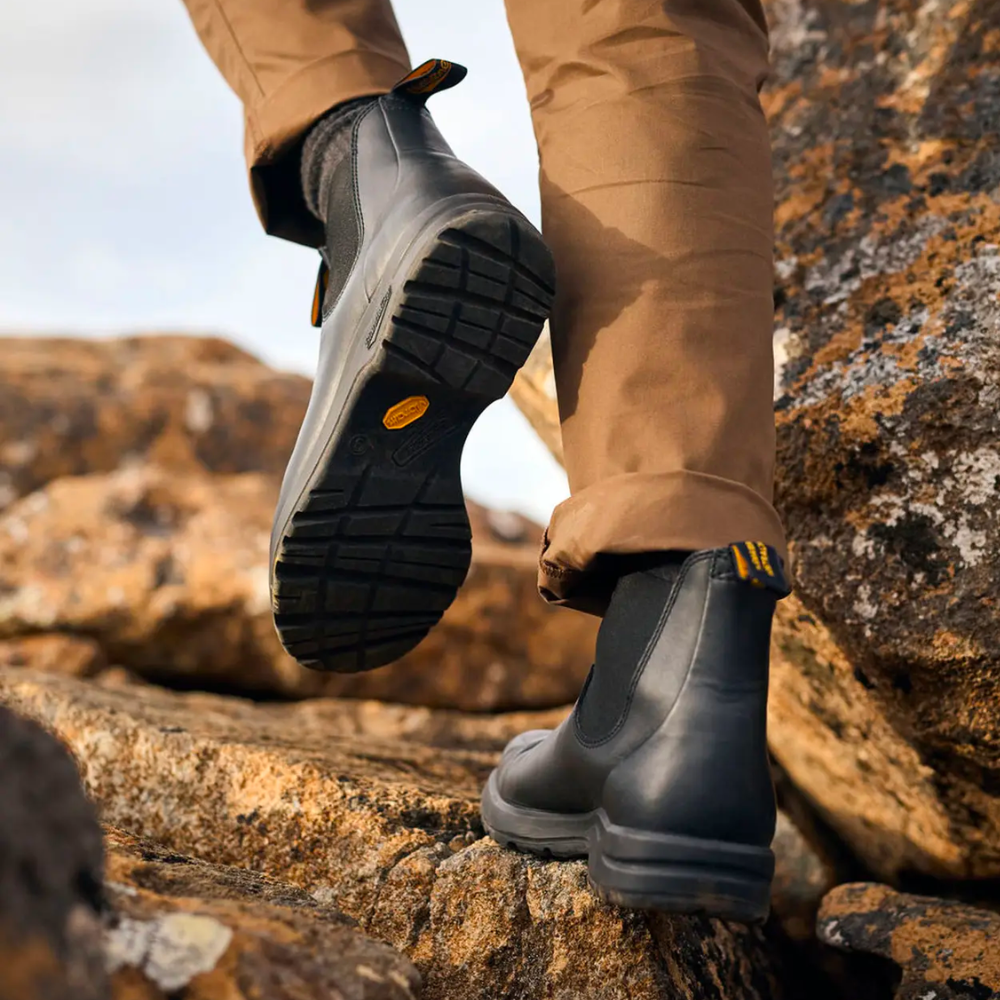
[[652, 871], [682, 889], [377, 544]]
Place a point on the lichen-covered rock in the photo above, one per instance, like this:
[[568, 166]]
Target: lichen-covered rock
[[897, 811], [71, 407], [887, 154], [387, 829], [51, 863], [166, 574], [945, 950], [176, 924]]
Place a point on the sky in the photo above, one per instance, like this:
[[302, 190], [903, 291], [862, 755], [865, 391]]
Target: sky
[[125, 207]]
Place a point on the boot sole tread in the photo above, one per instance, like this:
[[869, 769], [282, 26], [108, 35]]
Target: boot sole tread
[[377, 548]]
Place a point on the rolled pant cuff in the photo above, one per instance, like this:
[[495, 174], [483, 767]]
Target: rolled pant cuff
[[592, 534], [276, 127]]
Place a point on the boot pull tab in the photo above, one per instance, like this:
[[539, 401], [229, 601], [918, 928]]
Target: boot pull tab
[[429, 78], [760, 566], [322, 281]]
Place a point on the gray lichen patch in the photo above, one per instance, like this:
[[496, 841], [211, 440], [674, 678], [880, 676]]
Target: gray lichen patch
[[170, 950]]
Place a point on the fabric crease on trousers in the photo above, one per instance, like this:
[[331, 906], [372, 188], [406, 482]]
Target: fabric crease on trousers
[[655, 178]]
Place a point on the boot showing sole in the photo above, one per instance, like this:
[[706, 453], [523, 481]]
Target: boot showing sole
[[377, 541]]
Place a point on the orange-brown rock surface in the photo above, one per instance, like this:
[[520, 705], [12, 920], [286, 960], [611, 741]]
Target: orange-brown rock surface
[[165, 573], [129, 921], [378, 815], [181, 927], [944, 950], [54, 652], [70, 407]]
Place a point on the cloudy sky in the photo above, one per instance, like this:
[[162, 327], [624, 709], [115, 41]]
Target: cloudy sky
[[125, 206]]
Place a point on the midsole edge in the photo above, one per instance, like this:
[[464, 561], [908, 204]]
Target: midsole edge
[[673, 849]]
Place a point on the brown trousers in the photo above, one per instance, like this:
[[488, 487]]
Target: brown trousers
[[657, 203]]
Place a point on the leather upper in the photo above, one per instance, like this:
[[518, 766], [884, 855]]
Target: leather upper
[[688, 753]]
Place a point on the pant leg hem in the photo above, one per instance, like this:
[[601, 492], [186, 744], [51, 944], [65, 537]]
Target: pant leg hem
[[592, 535]]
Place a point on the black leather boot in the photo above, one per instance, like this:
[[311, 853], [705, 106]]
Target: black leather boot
[[432, 293], [660, 776]]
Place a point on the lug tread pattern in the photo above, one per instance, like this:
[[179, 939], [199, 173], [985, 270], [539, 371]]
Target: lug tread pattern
[[361, 582], [474, 307]]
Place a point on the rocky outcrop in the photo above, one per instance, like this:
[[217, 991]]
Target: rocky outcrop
[[887, 690], [944, 950], [387, 829], [896, 810], [166, 574], [885, 703], [181, 927], [136, 922], [71, 407]]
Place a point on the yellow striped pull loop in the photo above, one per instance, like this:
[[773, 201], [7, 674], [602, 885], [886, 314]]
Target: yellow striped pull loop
[[760, 566]]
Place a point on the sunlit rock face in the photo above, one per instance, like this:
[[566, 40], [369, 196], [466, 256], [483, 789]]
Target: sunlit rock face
[[885, 118], [72, 406], [370, 809]]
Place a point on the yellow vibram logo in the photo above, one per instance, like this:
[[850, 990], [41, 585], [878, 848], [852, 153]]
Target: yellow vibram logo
[[405, 412]]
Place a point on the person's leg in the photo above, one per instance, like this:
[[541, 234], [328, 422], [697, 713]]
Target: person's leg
[[656, 199], [289, 61], [657, 203], [433, 289]]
